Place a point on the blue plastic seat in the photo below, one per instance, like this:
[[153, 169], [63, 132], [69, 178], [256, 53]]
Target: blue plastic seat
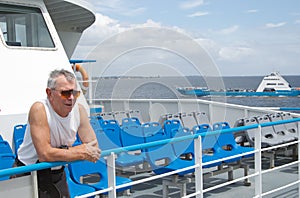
[[210, 149], [174, 129], [109, 135], [162, 158], [76, 189], [96, 172], [96, 122], [7, 157], [131, 133], [5, 147], [227, 142], [18, 136]]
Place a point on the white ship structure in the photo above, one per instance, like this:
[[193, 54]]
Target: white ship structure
[[150, 147]]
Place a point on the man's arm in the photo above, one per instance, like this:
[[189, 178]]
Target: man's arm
[[85, 130], [40, 133]]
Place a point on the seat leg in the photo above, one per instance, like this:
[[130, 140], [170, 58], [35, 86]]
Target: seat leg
[[183, 190], [165, 189]]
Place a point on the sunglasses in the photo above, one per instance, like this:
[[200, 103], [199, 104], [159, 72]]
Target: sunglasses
[[66, 94]]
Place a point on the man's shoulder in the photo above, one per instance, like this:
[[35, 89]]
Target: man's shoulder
[[37, 106]]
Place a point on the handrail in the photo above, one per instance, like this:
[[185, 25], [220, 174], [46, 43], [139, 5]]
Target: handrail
[[44, 165]]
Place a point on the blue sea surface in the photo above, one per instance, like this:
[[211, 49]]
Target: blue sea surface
[[165, 88]]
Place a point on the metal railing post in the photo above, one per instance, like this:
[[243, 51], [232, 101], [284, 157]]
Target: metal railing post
[[111, 172], [35, 184], [258, 178], [298, 130], [198, 170]]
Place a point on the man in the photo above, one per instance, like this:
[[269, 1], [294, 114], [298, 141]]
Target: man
[[52, 127]]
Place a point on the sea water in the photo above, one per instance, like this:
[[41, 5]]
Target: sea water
[[165, 88]]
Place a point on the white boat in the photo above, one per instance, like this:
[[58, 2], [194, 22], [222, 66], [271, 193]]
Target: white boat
[[38, 36], [271, 85]]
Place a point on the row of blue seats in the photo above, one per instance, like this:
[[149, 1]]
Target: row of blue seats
[[7, 157], [111, 135], [7, 154]]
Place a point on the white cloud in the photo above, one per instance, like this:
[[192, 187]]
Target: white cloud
[[297, 21], [118, 6], [198, 14], [191, 4], [275, 25], [252, 11], [235, 53], [229, 30]]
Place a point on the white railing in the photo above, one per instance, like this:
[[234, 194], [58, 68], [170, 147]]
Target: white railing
[[199, 189]]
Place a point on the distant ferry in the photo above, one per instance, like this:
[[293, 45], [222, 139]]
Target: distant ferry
[[271, 85]]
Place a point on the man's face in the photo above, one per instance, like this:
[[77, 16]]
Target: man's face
[[63, 96]]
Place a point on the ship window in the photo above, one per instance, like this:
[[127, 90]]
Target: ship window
[[271, 83], [24, 26]]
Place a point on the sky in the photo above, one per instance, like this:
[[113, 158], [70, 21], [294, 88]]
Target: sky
[[191, 37]]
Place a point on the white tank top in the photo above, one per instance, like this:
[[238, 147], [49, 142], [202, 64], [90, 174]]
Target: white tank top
[[62, 132]]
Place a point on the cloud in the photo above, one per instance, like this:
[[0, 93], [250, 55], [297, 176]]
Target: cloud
[[191, 4], [297, 21], [198, 14], [229, 30], [275, 25], [118, 7], [235, 53], [252, 11]]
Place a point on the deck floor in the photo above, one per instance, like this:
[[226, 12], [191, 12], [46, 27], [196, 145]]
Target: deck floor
[[270, 181]]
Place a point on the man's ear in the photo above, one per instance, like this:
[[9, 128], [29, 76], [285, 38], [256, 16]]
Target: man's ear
[[48, 91]]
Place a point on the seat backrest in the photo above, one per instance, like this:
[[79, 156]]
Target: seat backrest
[[201, 118], [188, 120], [96, 122], [250, 133], [5, 147], [109, 135], [6, 161], [268, 135], [156, 154], [78, 170], [281, 128], [107, 115], [186, 146], [224, 139], [209, 142], [291, 127], [163, 118], [131, 132], [136, 114], [120, 115], [76, 189], [171, 127], [18, 136]]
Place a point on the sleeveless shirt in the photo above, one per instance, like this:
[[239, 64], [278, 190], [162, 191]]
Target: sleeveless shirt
[[62, 132]]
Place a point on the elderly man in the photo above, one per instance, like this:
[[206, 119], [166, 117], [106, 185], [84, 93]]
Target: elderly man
[[52, 127]]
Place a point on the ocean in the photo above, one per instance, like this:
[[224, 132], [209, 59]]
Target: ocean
[[165, 88]]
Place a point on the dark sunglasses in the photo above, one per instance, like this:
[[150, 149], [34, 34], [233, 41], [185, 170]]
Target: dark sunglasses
[[65, 94]]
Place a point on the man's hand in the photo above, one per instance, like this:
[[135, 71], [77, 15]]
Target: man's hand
[[93, 152]]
